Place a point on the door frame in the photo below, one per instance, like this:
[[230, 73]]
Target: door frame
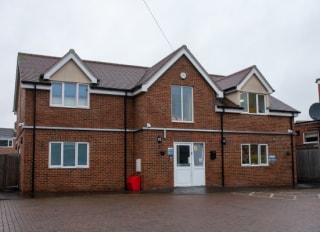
[[193, 170]]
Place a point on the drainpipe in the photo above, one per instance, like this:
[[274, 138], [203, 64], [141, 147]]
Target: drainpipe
[[292, 150], [125, 139], [222, 146], [34, 137]]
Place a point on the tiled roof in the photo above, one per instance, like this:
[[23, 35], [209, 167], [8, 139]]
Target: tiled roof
[[32, 66], [113, 76], [128, 77], [232, 80], [226, 103], [7, 133], [278, 106], [116, 76]]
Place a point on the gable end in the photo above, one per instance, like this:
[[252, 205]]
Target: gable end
[[70, 56]]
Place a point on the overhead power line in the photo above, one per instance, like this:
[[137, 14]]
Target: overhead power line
[[156, 21]]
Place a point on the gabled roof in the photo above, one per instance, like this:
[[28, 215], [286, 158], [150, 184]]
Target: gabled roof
[[118, 77], [71, 55], [7, 133], [153, 73], [107, 75], [237, 80], [114, 76]]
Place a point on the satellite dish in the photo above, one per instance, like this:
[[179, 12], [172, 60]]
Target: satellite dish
[[314, 111]]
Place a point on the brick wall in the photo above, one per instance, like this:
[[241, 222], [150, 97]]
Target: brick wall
[[106, 170], [8, 150]]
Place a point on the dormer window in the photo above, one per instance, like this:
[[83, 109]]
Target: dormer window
[[70, 94], [253, 103]]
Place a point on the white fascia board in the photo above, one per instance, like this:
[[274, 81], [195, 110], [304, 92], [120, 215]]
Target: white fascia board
[[63, 61], [226, 110], [93, 91], [38, 86], [110, 92], [283, 114], [260, 77], [268, 113], [165, 67]]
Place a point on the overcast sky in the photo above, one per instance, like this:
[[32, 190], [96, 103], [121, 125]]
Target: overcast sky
[[281, 37]]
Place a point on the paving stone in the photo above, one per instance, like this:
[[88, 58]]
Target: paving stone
[[179, 211]]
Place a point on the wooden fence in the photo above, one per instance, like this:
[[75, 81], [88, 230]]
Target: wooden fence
[[9, 171], [308, 165]]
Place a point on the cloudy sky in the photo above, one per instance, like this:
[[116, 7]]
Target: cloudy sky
[[281, 37]]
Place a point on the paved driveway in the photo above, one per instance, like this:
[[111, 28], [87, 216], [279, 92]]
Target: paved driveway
[[266, 210]]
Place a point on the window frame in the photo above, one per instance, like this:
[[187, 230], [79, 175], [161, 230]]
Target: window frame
[[76, 159], [181, 104], [259, 163], [77, 95], [246, 101], [9, 143], [310, 132]]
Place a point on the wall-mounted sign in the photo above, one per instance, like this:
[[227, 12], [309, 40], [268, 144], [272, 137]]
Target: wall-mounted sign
[[272, 158], [170, 150]]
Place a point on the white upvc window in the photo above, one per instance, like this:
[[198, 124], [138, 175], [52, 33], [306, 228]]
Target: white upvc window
[[67, 94], [181, 103], [310, 137], [253, 103], [68, 155], [254, 154], [6, 143]]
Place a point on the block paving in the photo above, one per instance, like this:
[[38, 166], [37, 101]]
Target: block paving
[[281, 210]]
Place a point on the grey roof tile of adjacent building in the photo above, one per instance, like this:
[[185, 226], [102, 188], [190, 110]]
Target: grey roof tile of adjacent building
[[7, 133]]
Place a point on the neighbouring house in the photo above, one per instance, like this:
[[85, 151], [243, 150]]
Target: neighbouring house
[[308, 130], [7, 141], [9, 159], [307, 144], [89, 126]]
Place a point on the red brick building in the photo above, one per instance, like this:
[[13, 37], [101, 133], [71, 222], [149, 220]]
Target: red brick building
[[308, 131], [85, 125]]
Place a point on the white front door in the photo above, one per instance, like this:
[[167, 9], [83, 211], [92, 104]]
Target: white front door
[[189, 166]]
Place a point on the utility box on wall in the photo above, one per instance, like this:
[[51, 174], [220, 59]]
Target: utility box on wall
[[213, 155], [138, 165]]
